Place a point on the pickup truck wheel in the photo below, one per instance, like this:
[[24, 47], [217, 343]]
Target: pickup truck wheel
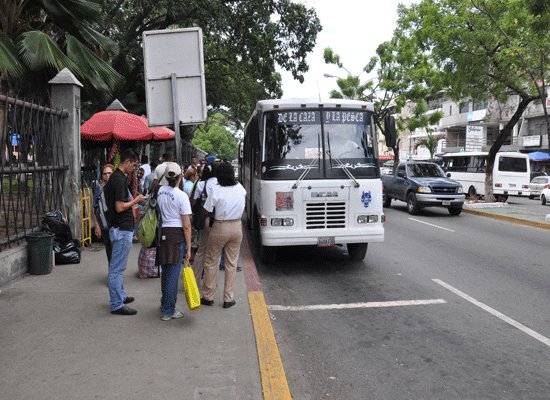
[[412, 206], [455, 210], [387, 201], [357, 251]]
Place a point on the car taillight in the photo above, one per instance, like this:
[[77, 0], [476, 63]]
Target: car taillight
[[547, 186]]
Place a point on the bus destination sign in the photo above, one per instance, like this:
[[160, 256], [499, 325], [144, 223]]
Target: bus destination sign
[[344, 117], [298, 117]]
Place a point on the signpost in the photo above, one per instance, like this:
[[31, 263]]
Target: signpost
[[174, 79]]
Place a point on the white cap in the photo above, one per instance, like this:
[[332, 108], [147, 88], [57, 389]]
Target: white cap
[[172, 169]]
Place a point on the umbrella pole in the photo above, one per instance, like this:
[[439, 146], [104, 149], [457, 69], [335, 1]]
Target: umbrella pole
[[175, 105]]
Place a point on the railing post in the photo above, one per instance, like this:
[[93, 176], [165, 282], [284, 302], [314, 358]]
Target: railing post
[[66, 95]]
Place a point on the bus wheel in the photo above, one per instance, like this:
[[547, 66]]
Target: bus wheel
[[501, 198], [472, 192], [357, 251], [412, 206]]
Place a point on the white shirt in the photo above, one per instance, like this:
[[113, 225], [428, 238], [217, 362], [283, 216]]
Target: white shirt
[[210, 183], [228, 200], [173, 203]]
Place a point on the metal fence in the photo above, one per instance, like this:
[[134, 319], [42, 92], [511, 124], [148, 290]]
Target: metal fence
[[32, 167]]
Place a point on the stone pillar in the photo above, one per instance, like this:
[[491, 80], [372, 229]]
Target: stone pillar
[[65, 90]]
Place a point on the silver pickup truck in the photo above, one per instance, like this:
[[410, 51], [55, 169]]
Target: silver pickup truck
[[423, 184]]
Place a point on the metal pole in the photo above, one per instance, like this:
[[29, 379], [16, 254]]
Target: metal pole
[[175, 105]]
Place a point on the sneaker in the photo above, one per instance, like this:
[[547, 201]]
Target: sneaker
[[124, 310], [177, 315]]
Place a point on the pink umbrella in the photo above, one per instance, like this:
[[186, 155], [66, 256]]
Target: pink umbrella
[[114, 124]]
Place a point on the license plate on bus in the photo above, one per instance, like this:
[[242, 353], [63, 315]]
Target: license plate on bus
[[446, 202], [326, 241]]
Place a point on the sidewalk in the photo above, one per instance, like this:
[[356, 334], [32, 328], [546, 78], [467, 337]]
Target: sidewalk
[[58, 340], [507, 212]]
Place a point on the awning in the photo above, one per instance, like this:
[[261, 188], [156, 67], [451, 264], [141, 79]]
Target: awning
[[385, 157], [539, 156]]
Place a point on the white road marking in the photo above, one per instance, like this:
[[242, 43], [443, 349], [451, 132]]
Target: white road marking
[[435, 226], [496, 313], [372, 304]]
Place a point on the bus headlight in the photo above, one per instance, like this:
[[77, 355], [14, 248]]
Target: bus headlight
[[424, 189], [282, 221], [367, 219]]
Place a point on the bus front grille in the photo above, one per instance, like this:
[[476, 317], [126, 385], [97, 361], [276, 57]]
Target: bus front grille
[[325, 215]]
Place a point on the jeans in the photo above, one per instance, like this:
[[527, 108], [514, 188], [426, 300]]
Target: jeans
[[122, 244], [169, 279]]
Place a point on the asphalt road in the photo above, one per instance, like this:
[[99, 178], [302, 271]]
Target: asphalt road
[[472, 319]]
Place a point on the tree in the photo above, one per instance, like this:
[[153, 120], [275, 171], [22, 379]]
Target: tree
[[483, 49], [244, 40], [39, 38], [400, 79], [214, 137]]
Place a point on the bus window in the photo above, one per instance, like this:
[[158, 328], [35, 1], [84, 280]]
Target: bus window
[[512, 164]]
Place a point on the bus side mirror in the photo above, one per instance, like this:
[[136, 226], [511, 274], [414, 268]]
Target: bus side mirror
[[389, 131]]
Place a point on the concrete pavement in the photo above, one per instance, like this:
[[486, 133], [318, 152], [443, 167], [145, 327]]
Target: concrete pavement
[[58, 340]]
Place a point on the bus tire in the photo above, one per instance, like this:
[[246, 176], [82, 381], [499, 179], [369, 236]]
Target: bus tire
[[472, 193], [455, 210], [387, 201], [357, 251], [412, 206]]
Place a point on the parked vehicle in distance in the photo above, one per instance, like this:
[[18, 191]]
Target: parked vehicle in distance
[[511, 173], [422, 184], [537, 184], [386, 168], [545, 195]]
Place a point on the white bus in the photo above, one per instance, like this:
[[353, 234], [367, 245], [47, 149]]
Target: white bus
[[511, 173], [311, 174]]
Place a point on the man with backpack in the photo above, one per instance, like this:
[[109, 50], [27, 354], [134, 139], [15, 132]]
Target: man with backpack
[[121, 219]]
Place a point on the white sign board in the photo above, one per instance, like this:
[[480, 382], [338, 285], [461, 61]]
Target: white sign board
[[474, 138], [533, 140], [179, 52]]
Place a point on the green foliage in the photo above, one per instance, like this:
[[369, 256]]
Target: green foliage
[[430, 143], [39, 38], [215, 137], [244, 41]]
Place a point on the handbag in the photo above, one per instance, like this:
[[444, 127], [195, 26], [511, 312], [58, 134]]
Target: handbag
[[190, 288]]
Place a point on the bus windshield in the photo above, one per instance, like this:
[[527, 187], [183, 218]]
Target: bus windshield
[[304, 139]]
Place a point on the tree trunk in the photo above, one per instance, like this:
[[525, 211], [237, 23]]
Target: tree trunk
[[504, 133]]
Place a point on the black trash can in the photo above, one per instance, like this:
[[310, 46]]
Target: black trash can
[[39, 252]]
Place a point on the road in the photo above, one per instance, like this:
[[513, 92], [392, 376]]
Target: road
[[462, 312], [532, 205]]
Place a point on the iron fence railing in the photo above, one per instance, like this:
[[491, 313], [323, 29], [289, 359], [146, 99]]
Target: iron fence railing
[[32, 167]]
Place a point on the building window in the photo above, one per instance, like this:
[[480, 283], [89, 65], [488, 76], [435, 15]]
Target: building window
[[480, 105], [464, 107]]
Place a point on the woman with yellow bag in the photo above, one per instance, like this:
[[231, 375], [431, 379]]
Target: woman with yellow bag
[[175, 239]]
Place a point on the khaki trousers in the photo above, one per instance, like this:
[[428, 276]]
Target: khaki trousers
[[228, 236], [198, 262]]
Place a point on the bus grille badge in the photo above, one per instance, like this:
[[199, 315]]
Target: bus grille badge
[[366, 198]]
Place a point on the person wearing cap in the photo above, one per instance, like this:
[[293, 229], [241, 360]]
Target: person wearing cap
[[210, 159], [175, 242], [226, 202], [160, 178]]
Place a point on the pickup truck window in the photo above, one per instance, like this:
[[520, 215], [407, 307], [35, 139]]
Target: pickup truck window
[[425, 170]]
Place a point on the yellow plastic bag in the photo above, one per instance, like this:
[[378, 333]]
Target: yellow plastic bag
[[190, 288]]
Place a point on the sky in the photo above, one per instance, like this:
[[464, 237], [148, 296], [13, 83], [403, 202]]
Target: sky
[[353, 29]]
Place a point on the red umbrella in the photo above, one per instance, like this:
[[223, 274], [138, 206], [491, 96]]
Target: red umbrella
[[114, 124], [163, 133]]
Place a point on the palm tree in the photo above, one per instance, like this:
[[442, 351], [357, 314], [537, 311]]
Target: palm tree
[[39, 38], [430, 143]]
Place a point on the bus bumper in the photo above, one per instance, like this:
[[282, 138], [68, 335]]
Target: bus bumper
[[303, 238]]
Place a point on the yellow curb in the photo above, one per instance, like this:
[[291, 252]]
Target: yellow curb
[[507, 218], [274, 383]]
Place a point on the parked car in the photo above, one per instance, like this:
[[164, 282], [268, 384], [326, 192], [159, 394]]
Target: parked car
[[387, 168], [422, 184], [545, 195], [537, 184]]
